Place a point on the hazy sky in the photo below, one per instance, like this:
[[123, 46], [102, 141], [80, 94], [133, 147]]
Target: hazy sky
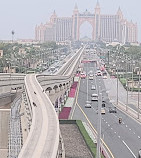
[[23, 15]]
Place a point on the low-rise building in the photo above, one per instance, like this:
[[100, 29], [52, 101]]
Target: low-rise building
[[1, 53]]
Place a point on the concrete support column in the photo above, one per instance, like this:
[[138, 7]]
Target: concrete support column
[[56, 103], [62, 101], [52, 92], [47, 92], [65, 97], [59, 103], [67, 93], [61, 88], [65, 86], [56, 90]]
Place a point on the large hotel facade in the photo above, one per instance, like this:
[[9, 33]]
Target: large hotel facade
[[107, 28]]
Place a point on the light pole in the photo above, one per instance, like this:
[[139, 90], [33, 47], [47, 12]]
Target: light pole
[[108, 57], [117, 81], [12, 32], [99, 125], [132, 77], [139, 95], [87, 81], [126, 86]]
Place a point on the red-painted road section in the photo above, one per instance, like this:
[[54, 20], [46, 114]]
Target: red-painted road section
[[64, 114]]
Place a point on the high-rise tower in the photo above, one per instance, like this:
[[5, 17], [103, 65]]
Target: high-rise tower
[[97, 22], [107, 28]]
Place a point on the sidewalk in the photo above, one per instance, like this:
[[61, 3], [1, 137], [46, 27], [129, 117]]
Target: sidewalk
[[64, 114]]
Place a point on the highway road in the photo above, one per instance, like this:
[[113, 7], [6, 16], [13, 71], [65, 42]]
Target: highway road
[[124, 140]]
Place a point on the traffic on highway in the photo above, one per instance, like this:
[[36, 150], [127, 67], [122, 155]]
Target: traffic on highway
[[119, 131]]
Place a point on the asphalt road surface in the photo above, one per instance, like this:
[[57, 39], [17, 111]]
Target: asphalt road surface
[[124, 140]]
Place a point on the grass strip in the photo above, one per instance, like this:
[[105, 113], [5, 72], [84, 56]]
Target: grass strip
[[87, 138]]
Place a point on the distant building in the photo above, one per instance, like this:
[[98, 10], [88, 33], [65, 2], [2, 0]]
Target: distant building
[[26, 41], [1, 53], [22, 51], [108, 28]]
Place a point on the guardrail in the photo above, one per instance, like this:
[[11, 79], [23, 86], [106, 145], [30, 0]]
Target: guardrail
[[135, 114], [15, 134], [9, 82]]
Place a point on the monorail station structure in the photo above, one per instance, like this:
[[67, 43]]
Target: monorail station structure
[[108, 28]]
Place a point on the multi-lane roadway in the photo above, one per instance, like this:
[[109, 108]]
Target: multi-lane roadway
[[123, 140]]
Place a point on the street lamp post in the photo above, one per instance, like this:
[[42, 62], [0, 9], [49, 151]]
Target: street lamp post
[[117, 85], [139, 95], [108, 57], [99, 126], [126, 86], [12, 32], [117, 82], [87, 82], [132, 77]]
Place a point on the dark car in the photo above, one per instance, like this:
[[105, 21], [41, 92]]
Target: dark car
[[103, 103], [112, 110]]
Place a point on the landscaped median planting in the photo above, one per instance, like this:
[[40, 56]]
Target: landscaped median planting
[[88, 140], [74, 147]]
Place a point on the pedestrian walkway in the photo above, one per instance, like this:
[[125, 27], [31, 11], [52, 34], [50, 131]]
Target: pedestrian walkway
[[64, 114], [69, 102]]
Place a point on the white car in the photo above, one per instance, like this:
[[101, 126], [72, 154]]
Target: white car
[[91, 77], [93, 87], [94, 97], [88, 104], [104, 77], [102, 111]]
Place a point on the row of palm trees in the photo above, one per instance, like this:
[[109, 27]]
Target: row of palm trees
[[13, 61]]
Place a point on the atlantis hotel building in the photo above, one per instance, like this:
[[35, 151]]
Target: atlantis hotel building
[[107, 28]]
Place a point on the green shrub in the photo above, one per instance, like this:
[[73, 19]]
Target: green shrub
[[123, 81], [87, 138]]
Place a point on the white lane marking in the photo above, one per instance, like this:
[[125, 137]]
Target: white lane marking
[[111, 128], [108, 125], [139, 137], [94, 109], [119, 136], [130, 129], [103, 120], [115, 132], [126, 125], [134, 132], [106, 122], [129, 148], [123, 122], [114, 115]]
